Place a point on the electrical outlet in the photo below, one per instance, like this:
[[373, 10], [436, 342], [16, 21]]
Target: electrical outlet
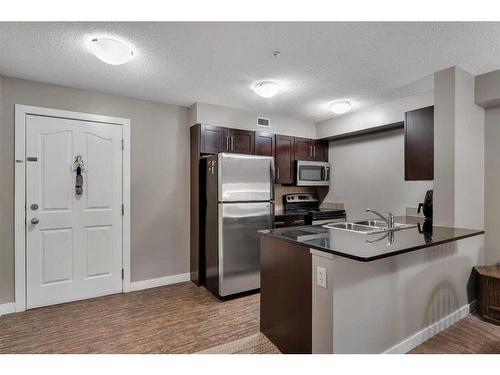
[[321, 277]]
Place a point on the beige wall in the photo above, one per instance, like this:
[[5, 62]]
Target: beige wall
[[487, 89], [368, 171], [160, 175], [492, 186], [236, 118], [459, 151], [378, 305], [444, 147], [374, 116]]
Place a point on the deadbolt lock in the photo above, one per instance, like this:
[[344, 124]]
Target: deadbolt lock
[[34, 206]]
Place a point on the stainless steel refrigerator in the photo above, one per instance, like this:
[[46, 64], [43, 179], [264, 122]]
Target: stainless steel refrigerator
[[239, 202]]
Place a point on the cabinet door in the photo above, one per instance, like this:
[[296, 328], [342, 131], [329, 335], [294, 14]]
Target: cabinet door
[[241, 141], [320, 150], [304, 149], [284, 159], [214, 139], [419, 144], [264, 144]]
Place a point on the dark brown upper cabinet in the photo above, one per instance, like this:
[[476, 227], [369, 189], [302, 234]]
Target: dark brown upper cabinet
[[214, 139], [284, 159], [241, 141], [304, 148], [419, 144], [320, 150], [264, 144]]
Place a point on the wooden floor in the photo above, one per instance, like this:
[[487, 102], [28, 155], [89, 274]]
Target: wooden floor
[[470, 335], [179, 318]]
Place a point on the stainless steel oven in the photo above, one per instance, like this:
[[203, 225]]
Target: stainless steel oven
[[312, 173]]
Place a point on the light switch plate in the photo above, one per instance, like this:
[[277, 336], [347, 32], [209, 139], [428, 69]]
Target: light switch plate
[[321, 277]]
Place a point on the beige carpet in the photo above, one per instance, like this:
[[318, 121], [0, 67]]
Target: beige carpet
[[254, 344]]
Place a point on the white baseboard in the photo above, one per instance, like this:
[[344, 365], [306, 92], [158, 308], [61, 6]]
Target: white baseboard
[[7, 308], [161, 281], [425, 334]]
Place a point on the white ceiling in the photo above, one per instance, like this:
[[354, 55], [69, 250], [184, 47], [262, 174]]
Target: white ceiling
[[182, 63]]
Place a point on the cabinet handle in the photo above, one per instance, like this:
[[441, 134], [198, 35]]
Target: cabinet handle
[[227, 143], [277, 173], [314, 151], [232, 143]]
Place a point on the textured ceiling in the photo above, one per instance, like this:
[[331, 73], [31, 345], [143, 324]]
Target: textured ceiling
[[182, 63]]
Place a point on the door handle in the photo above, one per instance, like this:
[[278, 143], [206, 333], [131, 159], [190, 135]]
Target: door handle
[[35, 220]]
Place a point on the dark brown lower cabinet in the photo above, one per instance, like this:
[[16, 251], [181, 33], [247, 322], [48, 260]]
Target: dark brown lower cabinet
[[286, 295], [419, 144]]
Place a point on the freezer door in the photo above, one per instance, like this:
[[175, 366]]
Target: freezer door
[[239, 245], [245, 178]]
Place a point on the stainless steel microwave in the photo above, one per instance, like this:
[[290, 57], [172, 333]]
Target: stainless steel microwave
[[312, 173]]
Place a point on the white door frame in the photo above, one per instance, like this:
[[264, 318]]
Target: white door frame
[[20, 190]]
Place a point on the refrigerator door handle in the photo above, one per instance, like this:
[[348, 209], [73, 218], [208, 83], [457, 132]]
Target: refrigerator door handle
[[271, 208], [220, 244], [271, 183]]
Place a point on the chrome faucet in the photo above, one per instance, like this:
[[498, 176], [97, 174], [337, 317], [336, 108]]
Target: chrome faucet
[[389, 220]]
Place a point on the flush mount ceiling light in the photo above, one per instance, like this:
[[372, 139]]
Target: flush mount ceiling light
[[111, 51], [266, 89], [340, 107]]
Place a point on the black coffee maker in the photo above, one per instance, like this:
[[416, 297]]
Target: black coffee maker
[[426, 206], [426, 227]]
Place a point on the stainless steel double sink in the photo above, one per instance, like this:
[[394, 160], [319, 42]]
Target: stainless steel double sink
[[368, 226]]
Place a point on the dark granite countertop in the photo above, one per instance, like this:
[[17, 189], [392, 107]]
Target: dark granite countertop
[[368, 247]]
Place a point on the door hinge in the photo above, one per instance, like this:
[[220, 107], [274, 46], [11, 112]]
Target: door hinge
[[123, 209], [123, 273], [123, 144]]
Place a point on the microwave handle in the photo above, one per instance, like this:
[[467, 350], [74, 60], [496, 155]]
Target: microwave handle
[[325, 173]]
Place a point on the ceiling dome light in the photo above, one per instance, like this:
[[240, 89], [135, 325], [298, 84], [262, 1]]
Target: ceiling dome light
[[111, 51], [340, 107], [266, 89]]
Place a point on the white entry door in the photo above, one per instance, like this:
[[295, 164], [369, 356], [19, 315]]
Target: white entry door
[[73, 242]]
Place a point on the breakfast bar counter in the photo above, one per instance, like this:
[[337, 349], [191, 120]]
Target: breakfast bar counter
[[366, 247], [332, 290]]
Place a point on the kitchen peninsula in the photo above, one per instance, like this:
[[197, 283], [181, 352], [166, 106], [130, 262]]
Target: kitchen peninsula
[[331, 290]]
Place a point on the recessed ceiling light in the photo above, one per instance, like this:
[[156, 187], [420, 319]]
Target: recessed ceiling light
[[266, 89], [111, 51], [340, 107]]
